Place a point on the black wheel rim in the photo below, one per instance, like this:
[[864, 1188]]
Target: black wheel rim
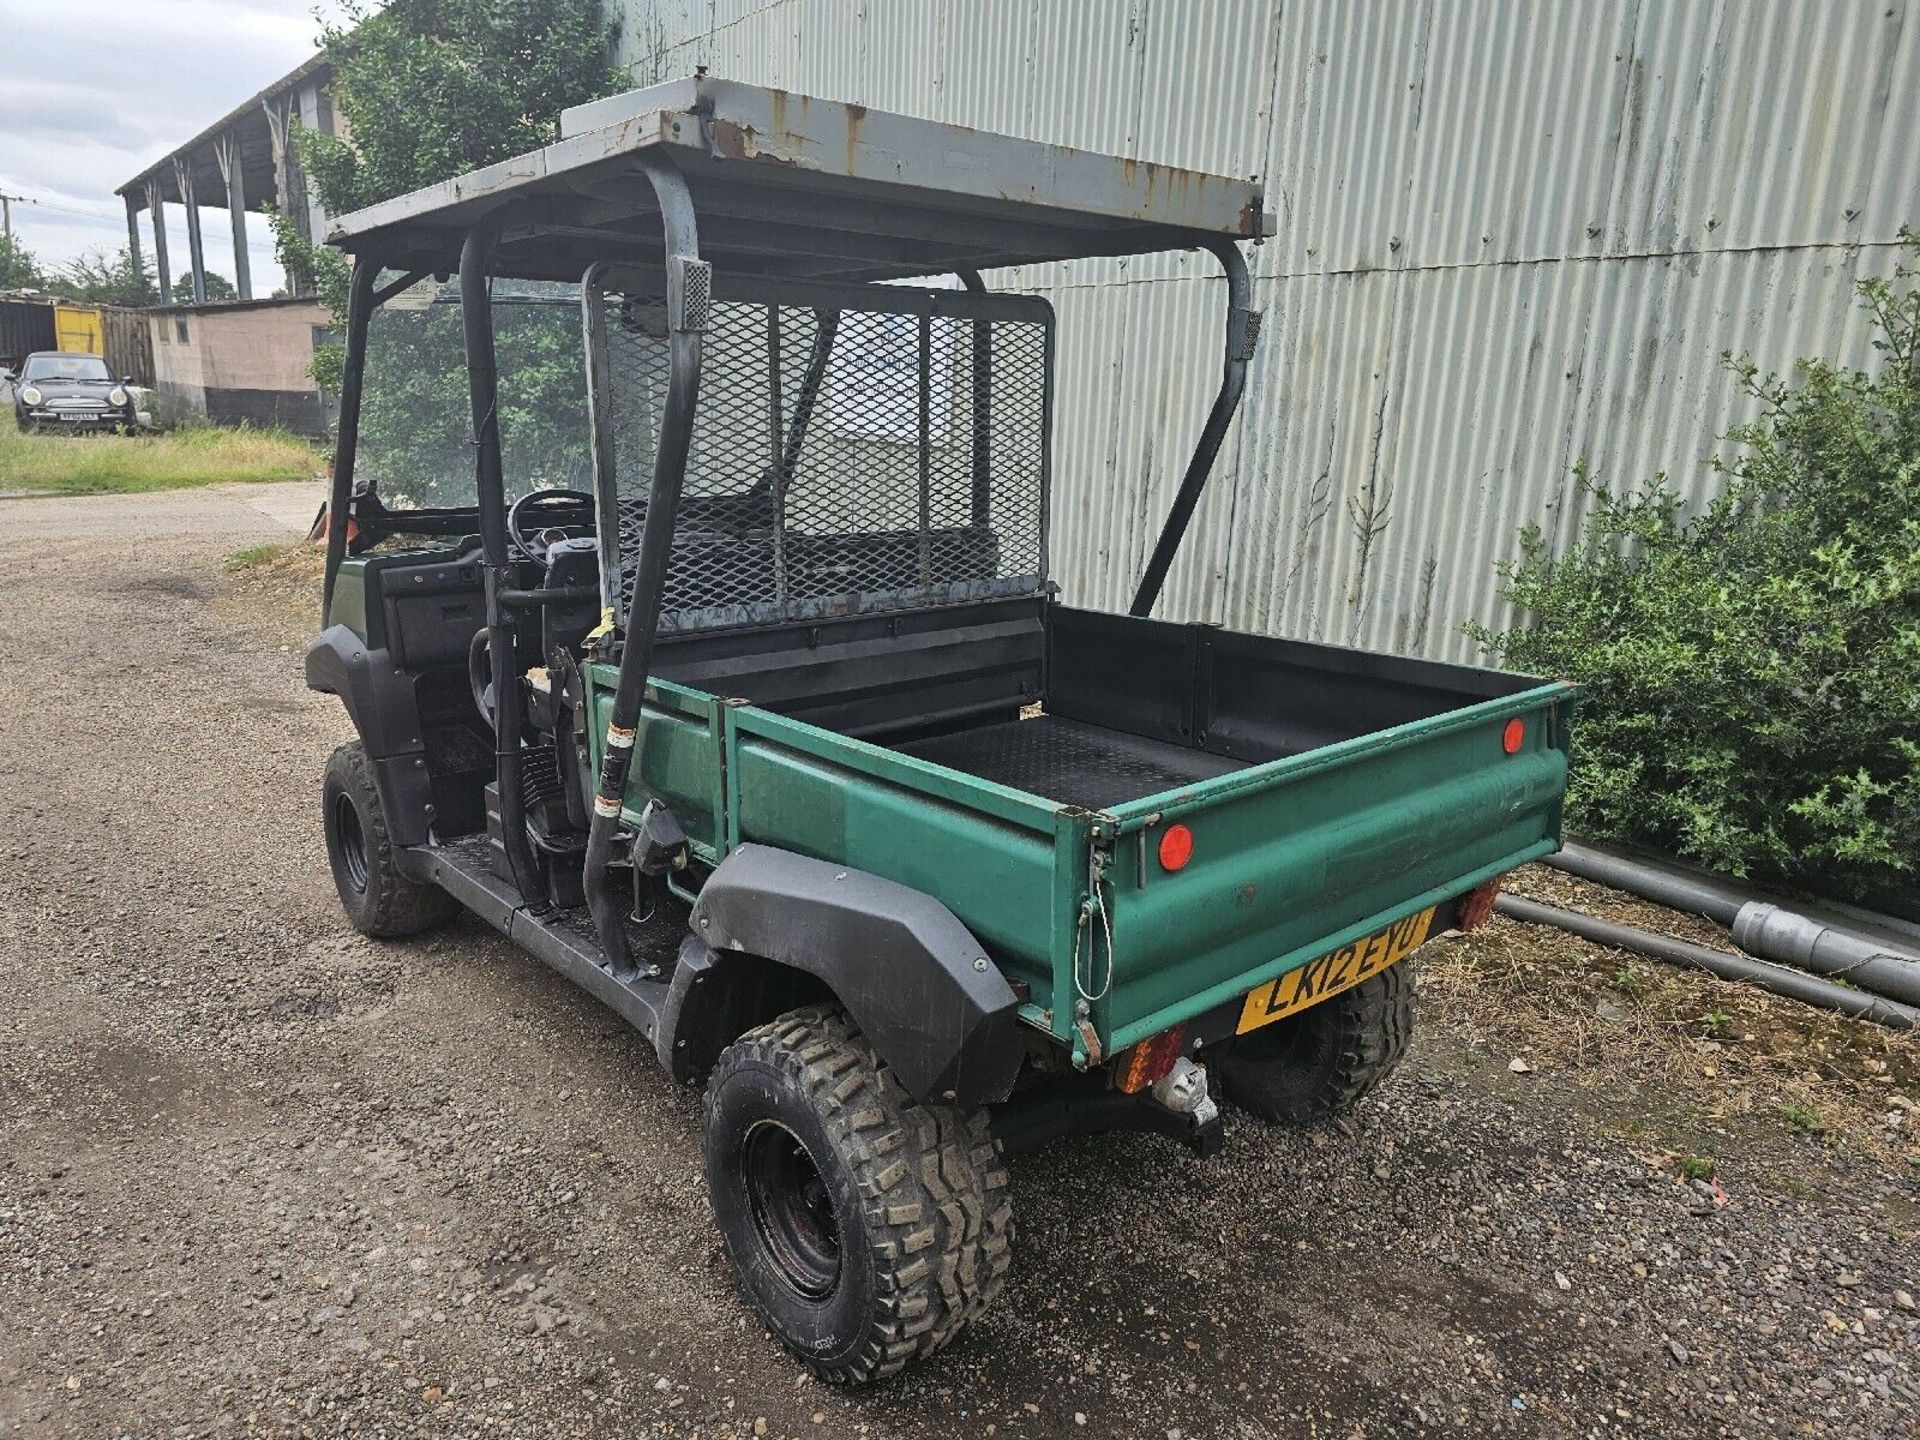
[[352, 845], [1284, 1040], [793, 1211]]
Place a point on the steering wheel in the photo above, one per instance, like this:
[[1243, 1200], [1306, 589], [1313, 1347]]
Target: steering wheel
[[547, 511]]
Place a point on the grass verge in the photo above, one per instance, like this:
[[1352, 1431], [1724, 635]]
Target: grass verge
[[130, 464]]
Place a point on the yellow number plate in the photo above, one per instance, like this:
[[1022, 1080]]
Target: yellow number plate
[[1330, 974]]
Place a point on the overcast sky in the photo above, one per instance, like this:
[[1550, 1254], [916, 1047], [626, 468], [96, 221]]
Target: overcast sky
[[91, 94]]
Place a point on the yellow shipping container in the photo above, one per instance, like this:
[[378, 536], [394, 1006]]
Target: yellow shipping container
[[77, 330]]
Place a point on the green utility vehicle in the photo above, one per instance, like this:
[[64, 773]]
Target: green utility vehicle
[[776, 738]]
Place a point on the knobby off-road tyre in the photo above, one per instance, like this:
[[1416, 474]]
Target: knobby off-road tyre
[[867, 1228], [378, 899], [1315, 1065]]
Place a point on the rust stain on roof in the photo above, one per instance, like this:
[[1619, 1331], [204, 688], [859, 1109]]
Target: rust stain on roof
[[856, 117]]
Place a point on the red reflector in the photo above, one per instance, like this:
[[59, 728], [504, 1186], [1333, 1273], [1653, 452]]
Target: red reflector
[[1514, 736], [1147, 1063], [1478, 905], [1176, 847]]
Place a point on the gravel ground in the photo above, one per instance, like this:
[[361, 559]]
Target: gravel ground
[[259, 1175]]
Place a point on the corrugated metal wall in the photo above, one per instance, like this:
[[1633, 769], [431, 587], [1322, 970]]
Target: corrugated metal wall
[[1512, 235]]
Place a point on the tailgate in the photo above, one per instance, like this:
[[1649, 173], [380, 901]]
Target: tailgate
[[1297, 857]]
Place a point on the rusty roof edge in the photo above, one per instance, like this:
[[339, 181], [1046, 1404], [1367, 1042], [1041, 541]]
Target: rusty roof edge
[[728, 121]]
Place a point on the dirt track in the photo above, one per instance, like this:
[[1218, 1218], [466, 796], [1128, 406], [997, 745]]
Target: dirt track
[[259, 1175]]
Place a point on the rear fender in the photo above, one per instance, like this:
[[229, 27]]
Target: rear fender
[[914, 979]]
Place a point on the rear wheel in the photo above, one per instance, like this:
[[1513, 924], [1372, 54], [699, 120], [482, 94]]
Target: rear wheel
[[378, 899], [867, 1228], [1317, 1064]]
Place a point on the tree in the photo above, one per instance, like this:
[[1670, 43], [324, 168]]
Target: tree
[[18, 269], [431, 89], [102, 281], [1752, 672], [218, 287]]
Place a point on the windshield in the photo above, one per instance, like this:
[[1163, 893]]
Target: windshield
[[66, 367]]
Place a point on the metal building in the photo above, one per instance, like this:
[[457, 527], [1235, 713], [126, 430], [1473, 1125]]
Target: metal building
[[1512, 235], [239, 162]]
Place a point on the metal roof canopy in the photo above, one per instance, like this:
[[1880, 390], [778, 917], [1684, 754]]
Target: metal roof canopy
[[790, 185]]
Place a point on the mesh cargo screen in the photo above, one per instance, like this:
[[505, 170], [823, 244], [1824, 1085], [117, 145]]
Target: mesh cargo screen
[[843, 460]]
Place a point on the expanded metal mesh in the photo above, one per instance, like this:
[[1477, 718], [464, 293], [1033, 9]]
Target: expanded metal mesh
[[842, 461]]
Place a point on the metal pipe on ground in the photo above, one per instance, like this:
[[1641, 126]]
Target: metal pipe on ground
[[1792, 984], [1680, 892], [1774, 933], [1761, 927]]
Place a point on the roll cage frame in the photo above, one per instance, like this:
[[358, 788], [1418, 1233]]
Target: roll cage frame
[[543, 229]]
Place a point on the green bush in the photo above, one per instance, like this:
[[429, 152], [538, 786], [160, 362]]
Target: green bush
[[1753, 670]]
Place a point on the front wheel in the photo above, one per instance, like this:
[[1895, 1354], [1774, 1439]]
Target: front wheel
[[1317, 1064], [867, 1228], [378, 899]]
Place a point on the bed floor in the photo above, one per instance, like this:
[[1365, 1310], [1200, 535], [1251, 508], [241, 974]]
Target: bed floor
[[1071, 762]]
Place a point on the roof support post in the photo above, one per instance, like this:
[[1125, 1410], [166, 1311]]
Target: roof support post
[[157, 208], [360, 306], [606, 492], [133, 238], [490, 495], [980, 507], [227, 151], [196, 252], [1243, 328], [688, 291]]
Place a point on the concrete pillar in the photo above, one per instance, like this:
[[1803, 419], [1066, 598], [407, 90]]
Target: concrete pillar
[[133, 234], [157, 208], [196, 251], [227, 151]]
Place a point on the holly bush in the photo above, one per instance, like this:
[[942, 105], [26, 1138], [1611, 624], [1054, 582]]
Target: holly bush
[[1752, 669]]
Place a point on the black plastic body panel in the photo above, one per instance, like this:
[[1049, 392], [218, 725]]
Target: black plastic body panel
[[380, 700], [914, 979], [432, 610], [867, 675], [1248, 697]]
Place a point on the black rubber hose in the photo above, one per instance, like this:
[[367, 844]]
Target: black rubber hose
[[1808, 989], [1675, 891]]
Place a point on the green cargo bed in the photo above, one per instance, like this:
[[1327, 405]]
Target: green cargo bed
[[1329, 792]]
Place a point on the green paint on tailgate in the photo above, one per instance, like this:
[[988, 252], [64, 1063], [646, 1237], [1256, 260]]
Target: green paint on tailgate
[[1298, 857]]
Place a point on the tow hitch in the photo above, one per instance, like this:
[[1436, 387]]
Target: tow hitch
[[1178, 1106]]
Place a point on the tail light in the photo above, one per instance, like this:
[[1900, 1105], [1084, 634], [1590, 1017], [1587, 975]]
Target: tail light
[[1478, 905], [1140, 1066]]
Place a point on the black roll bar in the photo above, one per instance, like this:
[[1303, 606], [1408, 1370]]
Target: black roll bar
[[688, 294], [476, 318], [1243, 328], [979, 509]]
